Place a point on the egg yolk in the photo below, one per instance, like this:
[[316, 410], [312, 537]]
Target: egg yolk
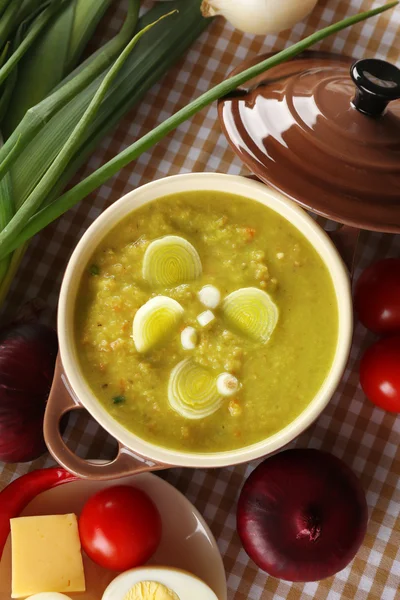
[[150, 590]]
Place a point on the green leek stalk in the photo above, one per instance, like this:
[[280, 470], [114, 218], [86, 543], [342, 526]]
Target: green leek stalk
[[9, 20], [40, 114], [48, 125], [8, 86], [23, 230], [87, 16], [32, 22], [37, 116], [67, 152], [37, 27], [152, 57], [55, 53], [3, 5], [155, 53], [6, 213], [30, 7]]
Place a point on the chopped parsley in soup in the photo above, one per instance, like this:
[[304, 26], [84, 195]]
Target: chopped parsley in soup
[[205, 322]]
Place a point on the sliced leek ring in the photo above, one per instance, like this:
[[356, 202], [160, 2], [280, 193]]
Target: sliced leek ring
[[171, 261], [251, 312], [192, 390], [155, 321]]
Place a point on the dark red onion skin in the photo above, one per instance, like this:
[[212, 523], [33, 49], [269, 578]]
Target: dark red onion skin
[[302, 515], [27, 359]]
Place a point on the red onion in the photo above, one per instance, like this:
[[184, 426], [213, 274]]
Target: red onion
[[302, 515], [27, 358]]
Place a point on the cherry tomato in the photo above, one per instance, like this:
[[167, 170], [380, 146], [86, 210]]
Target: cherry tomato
[[380, 373], [377, 296], [120, 528]]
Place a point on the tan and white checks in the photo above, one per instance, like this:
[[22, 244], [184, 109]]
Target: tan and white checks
[[351, 427]]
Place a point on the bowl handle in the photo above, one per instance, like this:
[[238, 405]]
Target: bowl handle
[[61, 402]]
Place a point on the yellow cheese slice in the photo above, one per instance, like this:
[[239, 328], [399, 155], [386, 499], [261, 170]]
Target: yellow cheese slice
[[46, 555]]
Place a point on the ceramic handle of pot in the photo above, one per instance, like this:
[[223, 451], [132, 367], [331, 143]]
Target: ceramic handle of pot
[[378, 83], [60, 403]]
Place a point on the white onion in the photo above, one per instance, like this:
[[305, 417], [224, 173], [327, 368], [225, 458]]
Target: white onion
[[259, 16], [210, 296], [205, 318], [227, 384], [189, 338]]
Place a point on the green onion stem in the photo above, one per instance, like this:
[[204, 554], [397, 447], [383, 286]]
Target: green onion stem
[[40, 114], [146, 68], [4, 53], [5, 99], [6, 213], [38, 25], [12, 263], [9, 20], [3, 5], [7, 207], [87, 16], [8, 242], [67, 152], [10, 158], [30, 7], [9, 85]]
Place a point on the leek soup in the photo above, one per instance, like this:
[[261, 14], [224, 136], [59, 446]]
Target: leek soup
[[205, 322]]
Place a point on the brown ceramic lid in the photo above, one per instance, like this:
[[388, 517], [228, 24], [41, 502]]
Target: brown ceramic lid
[[306, 129]]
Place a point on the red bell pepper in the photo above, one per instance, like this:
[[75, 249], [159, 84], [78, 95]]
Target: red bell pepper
[[19, 493]]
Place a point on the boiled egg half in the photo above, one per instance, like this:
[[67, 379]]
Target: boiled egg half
[[158, 583]]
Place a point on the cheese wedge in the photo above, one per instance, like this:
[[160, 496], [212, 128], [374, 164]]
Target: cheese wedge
[[46, 555]]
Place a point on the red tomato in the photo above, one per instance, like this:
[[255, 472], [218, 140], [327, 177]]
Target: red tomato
[[377, 296], [120, 528], [380, 373]]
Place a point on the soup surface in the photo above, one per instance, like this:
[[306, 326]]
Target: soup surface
[[241, 244]]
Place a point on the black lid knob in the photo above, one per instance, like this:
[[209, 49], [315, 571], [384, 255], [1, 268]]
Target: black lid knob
[[378, 82]]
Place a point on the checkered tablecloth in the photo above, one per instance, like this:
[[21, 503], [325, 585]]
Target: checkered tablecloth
[[351, 427]]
